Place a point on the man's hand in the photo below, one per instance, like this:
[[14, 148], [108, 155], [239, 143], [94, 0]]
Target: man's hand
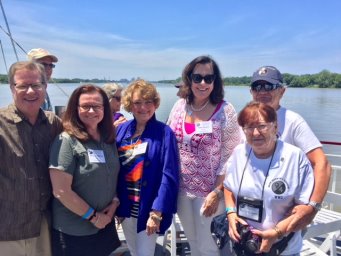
[[303, 215]]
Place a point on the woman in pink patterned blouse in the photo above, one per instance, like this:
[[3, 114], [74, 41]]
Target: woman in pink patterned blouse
[[207, 131]]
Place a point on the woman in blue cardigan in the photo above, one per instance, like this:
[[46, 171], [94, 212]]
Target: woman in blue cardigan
[[149, 175]]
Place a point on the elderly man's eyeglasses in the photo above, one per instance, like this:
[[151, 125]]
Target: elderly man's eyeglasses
[[25, 87], [262, 128], [86, 108], [197, 78], [266, 87], [48, 65]]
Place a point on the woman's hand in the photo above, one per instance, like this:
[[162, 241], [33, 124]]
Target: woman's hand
[[153, 223], [119, 121], [210, 204], [233, 219], [111, 208], [100, 220]]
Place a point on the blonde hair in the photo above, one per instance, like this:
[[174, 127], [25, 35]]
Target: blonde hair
[[145, 89]]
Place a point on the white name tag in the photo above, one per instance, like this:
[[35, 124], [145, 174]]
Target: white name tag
[[140, 148], [96, 156], [248, 211], [203, 127]]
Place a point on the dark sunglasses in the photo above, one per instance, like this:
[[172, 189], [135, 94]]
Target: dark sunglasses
[[118, 98], [266, 87], [197, 78], [48, 65]]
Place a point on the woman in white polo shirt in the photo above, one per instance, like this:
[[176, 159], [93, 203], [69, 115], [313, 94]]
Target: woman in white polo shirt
[[265, 179]]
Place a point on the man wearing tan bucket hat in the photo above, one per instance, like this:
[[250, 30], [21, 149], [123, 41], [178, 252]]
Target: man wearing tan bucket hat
[[47, 59]]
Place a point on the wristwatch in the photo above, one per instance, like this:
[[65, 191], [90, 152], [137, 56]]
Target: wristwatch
[[317, 206]]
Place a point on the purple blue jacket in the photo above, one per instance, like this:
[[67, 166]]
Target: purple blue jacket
[[160, 178]]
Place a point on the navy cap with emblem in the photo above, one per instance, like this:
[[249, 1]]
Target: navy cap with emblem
[[267, 73]]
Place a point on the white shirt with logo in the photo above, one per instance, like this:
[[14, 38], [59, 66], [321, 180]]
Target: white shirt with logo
[[289, 182]]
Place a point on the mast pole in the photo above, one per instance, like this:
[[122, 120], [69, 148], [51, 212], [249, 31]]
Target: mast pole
[[3, 55], [9, 31]]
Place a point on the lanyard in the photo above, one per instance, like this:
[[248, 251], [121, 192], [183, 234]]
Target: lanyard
[[248, 158]]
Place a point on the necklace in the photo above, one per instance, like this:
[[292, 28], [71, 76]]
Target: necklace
[[199, 109], [136, 139]]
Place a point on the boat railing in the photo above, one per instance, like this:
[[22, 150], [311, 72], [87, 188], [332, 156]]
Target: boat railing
[[335, 160]]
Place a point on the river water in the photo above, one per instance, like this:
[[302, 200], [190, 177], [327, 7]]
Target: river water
[[321, 108]]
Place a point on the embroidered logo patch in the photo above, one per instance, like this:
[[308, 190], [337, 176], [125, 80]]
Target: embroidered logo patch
[[262, 71], [278, 187]]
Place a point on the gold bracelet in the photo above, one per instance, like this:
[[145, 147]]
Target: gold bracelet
[[279, 232], [155, 217]]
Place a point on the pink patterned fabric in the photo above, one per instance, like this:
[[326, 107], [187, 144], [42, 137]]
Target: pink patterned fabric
[[203, 156]]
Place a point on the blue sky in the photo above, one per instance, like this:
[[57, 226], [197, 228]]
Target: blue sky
[[156, 39]]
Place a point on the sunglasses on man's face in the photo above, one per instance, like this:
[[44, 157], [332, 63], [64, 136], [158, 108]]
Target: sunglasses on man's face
[[265, 87], [48, 65], [197, 78]]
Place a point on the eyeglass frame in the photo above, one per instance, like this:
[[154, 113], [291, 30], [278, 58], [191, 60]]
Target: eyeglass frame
[[139, 103], [261, 128], [34, 87], [197, 78], [95, 108], [257, 87]]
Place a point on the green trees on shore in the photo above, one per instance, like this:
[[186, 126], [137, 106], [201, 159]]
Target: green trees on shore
[[323, 79]]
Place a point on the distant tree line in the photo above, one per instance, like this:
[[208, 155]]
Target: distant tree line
[[4, 80], [323, 79]]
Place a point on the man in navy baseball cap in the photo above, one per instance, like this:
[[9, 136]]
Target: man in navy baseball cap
[[267, 86], [269, 74]]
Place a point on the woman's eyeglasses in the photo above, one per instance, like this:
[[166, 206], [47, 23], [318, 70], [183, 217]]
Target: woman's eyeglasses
[[262, 128], [197, 78], [147, 103], [86, 108], [266, 87]]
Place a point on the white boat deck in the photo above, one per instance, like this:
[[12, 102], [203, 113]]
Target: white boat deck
[[320, 237]]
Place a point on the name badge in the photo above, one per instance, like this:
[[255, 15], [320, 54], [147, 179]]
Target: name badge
[[250, 208], [203, 127], [140, 149], [96, 156]]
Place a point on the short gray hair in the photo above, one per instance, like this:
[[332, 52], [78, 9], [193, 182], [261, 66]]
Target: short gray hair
[[28, 65]]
